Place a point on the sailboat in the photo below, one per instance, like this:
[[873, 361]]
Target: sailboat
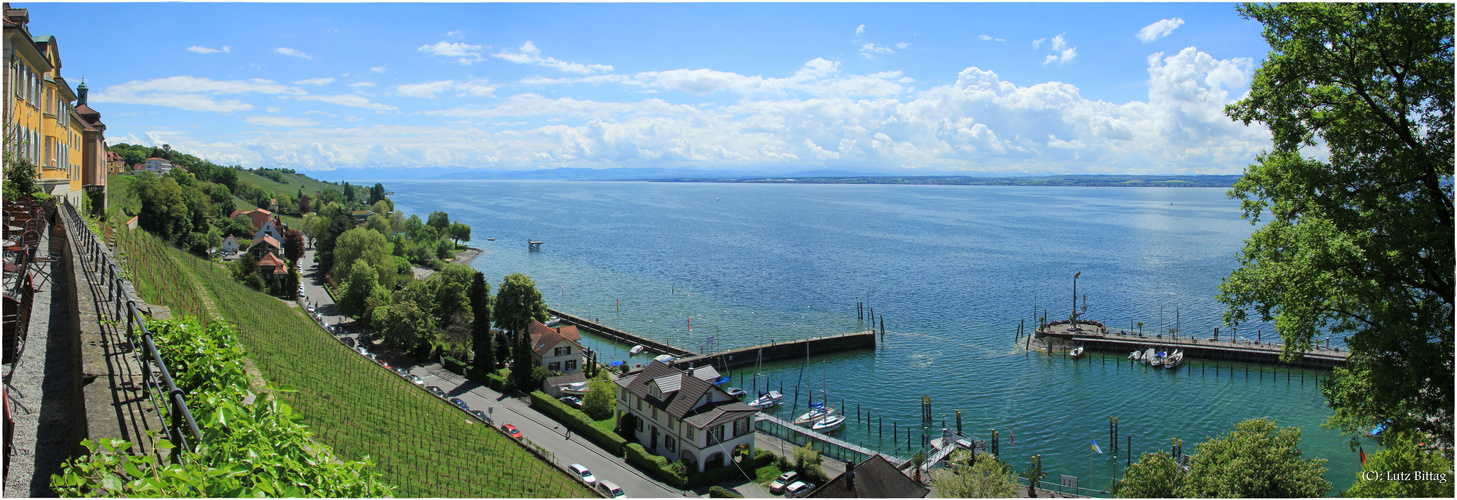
[[1174, 360], [816, 412], [828, 421], [766, 400], [1076, 353], [1148, 356], [1136, 356]]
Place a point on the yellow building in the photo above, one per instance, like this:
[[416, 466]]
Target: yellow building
[[44, 127]]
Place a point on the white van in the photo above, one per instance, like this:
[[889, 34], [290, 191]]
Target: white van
[[610, 489], [581, 471]]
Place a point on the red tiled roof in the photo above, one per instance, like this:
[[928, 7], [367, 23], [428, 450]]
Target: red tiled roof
[[267, 239], [543, 341], [568, 332], [270, 260]]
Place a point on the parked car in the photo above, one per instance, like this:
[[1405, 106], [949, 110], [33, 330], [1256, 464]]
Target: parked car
[[513, 432], [610, 489], [481, 415], [798, 489], [777, 487], [401, 371], [582, 472], [436, 391], [459, 402], [415, 379], [362, 351], [571, 401]]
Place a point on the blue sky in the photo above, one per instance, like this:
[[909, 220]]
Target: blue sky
[[911, 89]]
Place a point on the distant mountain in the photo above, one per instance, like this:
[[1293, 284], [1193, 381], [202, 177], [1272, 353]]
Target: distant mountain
[[960, 180], [822, 176]]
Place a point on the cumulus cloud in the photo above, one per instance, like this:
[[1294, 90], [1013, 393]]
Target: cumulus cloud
[[205, 50], [871, 48], [465, 54], [191, 93], [1061, 54], [989, 38], [461, 89], [292, 53], [315, 81], [361, 84], [529, 54], [378, 69], [860, 30], [279, 121], [1159, 29]]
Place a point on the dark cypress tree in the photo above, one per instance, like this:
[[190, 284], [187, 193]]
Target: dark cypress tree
[[484, 360], [503, 349]]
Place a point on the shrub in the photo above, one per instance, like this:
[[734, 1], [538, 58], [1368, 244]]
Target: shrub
[[455, 366], [655, 465], [721, 492], [577, 421]]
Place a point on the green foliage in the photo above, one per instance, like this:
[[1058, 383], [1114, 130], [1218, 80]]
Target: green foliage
[[579, 422], [986, 478], [404, 325], [1382, 474], [440, 221], [459, 232], [518, 303], [453, 365], [358, 288], [658, 466], [379, 224], [1033, 474], [247, 450], [164, 211], [1256, 459], [717, 491], [367, 246], [599, 402], [483, 355], [1358, 245], [20, 176]]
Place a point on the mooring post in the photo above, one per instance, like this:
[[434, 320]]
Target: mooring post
[[1130, 450], [958, 421]]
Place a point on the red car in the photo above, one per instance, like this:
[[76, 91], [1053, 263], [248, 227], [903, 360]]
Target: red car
[[511, 431]]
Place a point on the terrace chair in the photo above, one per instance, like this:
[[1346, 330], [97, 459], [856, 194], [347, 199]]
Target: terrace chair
[[17, 319]]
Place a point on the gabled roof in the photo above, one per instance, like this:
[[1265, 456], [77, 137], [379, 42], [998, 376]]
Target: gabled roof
[[568, 332], [279, 267], [543, 342], [873, 478], [267, 239], [230, 238], [565, 379], [706, 373], [682, 403]]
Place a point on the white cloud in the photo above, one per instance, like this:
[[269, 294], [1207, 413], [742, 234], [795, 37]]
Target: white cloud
[[902, 45], [860, 30], [529, 54], [315, 81], [1061, 52], [279, 121], [205, 50], [292, 53], [272, 109], [870, 48], [1159, 29], [379, 69], [461, 89], [465, 53], [361, 84], [1036, 44], [353, 100], [191, 93], [989, 38]]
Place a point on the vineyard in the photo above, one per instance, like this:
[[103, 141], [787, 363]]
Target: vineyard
[[148, 263], [421, 444]]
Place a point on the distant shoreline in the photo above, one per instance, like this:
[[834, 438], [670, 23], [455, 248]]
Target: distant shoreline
[[1219, 181]]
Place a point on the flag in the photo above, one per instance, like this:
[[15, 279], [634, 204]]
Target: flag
[[1363, 456], [1095, 447], [1010, 438], [690, 324]]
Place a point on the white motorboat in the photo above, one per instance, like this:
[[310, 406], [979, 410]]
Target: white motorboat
[[1076, 353], [575, 389], [553, 321], [1148, 356], [829, 424], [766, 401], [1174, 360], [817, 412], [664, 358], [636, 350], [1136, 356], [736, 392]]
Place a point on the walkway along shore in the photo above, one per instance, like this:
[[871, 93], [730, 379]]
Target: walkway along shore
[[1096, 337]]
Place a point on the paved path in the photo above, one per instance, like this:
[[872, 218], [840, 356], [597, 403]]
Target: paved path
[[540, 429]]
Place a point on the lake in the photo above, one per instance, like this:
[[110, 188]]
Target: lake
[[952, 269]]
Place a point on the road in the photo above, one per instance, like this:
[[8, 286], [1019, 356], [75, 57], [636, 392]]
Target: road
[[540, 429]]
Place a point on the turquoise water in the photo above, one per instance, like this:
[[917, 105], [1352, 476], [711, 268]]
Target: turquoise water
[[953, 269]]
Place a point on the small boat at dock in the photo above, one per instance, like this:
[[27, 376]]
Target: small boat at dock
[[664, 358], [1076, 353], [636, 350], [736, 392], [767, 400], [1174, 360], [1136, 356], [817, 411], [1148, 356], [490, 239], [553, 321], [829, 424]]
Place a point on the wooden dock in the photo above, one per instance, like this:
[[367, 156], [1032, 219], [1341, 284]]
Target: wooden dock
[[1096, 337], [829, 446]]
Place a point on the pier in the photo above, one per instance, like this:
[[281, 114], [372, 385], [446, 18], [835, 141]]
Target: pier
[[620, 336], [828, 446], [794, 350], [1096, 337]]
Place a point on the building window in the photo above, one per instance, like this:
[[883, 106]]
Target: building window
[[655, 413], [571, 364], [554, 366], [689, 434], [639, 405], [715, 435], [639, 425], [622, 394], [672, 444]]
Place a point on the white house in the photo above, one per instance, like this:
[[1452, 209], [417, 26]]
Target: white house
[[158, 165], [680, 414], [558, 349], [269, 228], [230, 245]]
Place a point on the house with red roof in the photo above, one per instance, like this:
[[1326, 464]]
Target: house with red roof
[[558, 349], [258, 216], [267, 245], [681, 415]]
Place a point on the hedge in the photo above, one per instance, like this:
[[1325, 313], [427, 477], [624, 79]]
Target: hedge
[[713, 476], [655, 465], [721, 492], [576, 420], [454, 365]]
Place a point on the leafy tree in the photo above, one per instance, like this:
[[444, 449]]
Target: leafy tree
[[1155, 475], [1034, 473], [293, 245], [1256, 459], [20, 176], [456, 333], [985, 477], [808, 462], [363, 282], [403, 325], [518, 303], [413, 225], [1358, 245], [380, 207], [303, 202], [288, 205], [503, 349], [348, 192], [598, 402], [379, 224], [444, 250], [376, 194], [164, 211], [314, 226], [459, 232], [1403, 454], [483, 356], [362, 244], [439, 220]]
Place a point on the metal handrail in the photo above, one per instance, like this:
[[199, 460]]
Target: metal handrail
[[94, 253]]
